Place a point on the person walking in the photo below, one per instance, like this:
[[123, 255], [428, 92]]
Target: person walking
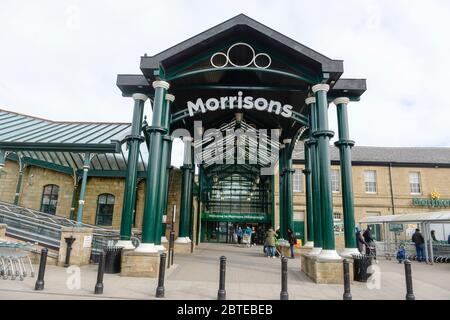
[[360, 240], [239, 234], [448, 240], [292, 241], [269, 243], [419, 242], [253, 236], [367, 235]]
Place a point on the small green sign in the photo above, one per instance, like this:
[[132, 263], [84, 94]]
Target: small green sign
[[431, 202], [395, 227], [235, 217]]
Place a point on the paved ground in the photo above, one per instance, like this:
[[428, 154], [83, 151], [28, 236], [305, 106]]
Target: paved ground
[[249, 276]]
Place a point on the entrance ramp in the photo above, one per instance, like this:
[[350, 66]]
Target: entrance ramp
[[44, 229]]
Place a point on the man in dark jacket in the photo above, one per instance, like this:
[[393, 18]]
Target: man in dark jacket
[[419, 242], [292, 241], [368, 239]]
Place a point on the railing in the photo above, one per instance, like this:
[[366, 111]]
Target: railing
[[45, 229]]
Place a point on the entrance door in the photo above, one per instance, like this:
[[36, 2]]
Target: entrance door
[[217, 232]]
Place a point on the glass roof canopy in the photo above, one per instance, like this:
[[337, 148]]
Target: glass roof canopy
[[60, 145]]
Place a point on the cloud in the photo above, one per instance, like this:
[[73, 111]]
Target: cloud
[[59, 59]]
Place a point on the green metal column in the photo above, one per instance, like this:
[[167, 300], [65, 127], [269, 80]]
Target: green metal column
[[186, 192], [152, 191], [74, 196], [345, 144], [164, 173], [19, 180], [281, 192], [86, 165], [317, 209], [309, 197], [133, 140], [323, 135], [288, 176], [199, 197]]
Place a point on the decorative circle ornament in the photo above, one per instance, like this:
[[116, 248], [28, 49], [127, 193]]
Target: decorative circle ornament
[[237, 57]]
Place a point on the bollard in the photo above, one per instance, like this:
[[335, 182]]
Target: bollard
[[100, 273], [162, 270], [221, 294], [347, 294], [69, 241], [409, 286], [284, 295], [40, 280], [171, 247]]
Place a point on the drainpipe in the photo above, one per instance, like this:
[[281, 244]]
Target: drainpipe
[[392, 188]]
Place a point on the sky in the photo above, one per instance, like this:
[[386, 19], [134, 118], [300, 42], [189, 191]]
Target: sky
[[59, 59]]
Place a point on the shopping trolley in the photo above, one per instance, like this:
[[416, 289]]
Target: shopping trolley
[[246, 240], [14, 257]]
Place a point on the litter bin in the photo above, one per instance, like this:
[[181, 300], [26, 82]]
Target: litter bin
[[113, 259], [360, 264]]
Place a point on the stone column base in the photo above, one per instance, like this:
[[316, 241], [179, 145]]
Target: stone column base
[[140, 264], [182, 247], [81, 247], [325, 271], [304, 250]]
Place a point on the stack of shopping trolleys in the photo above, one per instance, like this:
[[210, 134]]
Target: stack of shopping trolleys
[[14, 259]]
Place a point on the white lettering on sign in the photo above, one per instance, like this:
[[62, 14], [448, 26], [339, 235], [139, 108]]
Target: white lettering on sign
[[87, 241], [240, 102]]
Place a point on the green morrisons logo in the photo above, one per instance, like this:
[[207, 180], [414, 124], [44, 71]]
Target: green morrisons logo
[[232, 217], [431, 202]]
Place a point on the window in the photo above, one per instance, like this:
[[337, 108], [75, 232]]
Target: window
[[49, 198], [105, 209], [338, 223], [298, 180], [370, 179], [335, 181], [414, 182]]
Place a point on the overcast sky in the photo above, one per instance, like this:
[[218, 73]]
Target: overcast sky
[[59, 59]]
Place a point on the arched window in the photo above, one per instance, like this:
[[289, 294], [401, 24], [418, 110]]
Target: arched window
[[49, 198], [105, 209]]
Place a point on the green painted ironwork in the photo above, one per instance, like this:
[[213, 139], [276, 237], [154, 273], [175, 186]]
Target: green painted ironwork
[[129, 199], [345, 145], [315, 174], [86, 165], [323, 135], [156, 132], [309, 195], [241, 69], [289, 172], [281, 193], [164, 175]]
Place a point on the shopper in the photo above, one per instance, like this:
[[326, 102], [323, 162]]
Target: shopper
[[367, 235], [292, 241], [239, 234], [253, 236], [270, 243], [419, 242]]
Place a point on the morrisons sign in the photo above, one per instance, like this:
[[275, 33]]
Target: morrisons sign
[[431, 202], [240, 102]]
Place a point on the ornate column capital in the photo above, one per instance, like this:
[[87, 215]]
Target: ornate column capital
[[170, 97], [341, 100], [320, 87], [139, 96], [310, 100], [161, 84]]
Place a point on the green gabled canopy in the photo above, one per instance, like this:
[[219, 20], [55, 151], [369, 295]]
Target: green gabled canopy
[[60, 145]]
